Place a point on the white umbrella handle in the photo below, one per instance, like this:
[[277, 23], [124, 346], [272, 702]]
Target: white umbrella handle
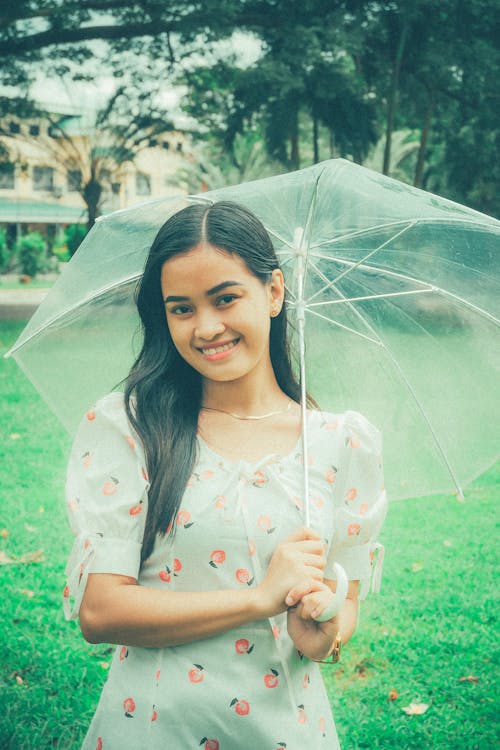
[[338, 597]]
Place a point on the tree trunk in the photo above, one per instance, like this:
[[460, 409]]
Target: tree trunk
[[419, 169], [315, 139], [294, 139], [91, 195], [393, 97]]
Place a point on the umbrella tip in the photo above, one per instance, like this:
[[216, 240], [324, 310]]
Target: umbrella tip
[[460, 495]]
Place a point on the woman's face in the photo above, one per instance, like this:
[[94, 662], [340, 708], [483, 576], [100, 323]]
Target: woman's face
[[218, 312]]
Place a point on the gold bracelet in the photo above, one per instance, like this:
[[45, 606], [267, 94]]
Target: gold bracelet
[[335, 655]]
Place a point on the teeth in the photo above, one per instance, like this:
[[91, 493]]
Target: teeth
[[217, 349]]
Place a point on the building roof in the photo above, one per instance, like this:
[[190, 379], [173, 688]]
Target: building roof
[[15, 211]]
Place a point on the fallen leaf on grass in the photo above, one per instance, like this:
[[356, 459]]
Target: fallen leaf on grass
[[15, 436], [27, 557], [469, 678], [28, 593], [447, 543], [104, 664], [416, 567], [19, 679], [393, 694], [4, 533], [415, 709], [30, 528]]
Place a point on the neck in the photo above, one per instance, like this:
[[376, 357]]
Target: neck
[[245, 397]]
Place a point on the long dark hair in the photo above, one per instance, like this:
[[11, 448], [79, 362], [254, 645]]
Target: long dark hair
[[162, 392]]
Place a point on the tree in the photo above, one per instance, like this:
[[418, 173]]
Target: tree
[[212, 167], [307, 66], [94, 145]]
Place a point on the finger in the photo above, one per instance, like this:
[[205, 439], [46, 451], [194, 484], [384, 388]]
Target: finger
[[316, 560], [301, 589], [301, 534], [308, 604], [314, 546]]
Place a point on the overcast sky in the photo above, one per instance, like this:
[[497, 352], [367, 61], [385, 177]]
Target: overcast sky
[[70, 95]]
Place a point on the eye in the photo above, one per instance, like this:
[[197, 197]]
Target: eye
[[226, 299], [179, 310]]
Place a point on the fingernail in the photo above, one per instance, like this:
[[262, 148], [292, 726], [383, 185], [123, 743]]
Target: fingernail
[[289, 599]]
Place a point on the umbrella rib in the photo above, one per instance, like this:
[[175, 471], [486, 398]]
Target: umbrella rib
[[471, 305], [360, 232], [344, 327], [362, 260], [434, 220], [410, 390], [426, 287], [63, 314], [369, 297]]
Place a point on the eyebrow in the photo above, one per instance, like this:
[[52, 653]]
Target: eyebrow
[[208, 293]]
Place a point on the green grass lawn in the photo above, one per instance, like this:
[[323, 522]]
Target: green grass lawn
[[429, 635]]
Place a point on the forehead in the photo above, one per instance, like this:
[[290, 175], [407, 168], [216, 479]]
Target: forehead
[[204, 266]]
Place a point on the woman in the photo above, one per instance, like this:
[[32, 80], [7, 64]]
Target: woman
[[185, 493]]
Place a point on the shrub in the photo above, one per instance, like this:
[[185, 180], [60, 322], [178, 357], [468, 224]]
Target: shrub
[[31, 250], [62, 253], [4, 250], [74, 235]]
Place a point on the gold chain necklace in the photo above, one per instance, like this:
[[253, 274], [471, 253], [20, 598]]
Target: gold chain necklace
[[250, 417]]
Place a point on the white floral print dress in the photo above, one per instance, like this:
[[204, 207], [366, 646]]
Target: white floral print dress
[[248, 687]]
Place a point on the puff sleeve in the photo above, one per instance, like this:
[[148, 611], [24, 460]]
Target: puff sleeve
[[360, 504], [106, 499]]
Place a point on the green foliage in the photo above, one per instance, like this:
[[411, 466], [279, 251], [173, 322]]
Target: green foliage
[[74, 235], [355, 73], [403, 150], [4, 250], [214, 167], [31, 252]]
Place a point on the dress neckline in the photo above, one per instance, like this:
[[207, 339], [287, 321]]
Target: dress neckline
[[273, 457]]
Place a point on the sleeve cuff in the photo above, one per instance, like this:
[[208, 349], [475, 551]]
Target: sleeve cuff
[[92, 553], [118, 556]]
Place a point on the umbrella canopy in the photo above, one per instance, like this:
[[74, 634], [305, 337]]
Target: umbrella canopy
[[397, 291]]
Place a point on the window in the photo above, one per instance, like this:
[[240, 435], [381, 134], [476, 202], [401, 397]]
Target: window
[[142, 184], [43, 178], [7, 178], [14, 127], [74, 180], [166, 145], [179, 147], [34, 129]]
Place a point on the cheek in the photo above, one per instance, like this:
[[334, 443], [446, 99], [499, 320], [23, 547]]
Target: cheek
[[177, 334]]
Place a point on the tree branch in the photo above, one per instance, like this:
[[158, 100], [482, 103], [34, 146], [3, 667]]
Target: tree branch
[[34, 42]]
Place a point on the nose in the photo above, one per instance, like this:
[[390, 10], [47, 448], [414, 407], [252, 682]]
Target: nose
[[208, 326]]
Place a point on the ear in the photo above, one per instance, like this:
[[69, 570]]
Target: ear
[[276, 292]]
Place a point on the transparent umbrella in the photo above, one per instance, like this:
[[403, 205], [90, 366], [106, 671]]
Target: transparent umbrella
[[394, 294]]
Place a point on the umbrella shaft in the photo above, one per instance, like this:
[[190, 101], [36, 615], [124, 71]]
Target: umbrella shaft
[[303, 407]]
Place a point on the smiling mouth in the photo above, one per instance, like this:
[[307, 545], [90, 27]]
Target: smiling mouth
[[210, 351]]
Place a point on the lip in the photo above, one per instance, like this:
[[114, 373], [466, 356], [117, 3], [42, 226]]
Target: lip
[[223, 353]]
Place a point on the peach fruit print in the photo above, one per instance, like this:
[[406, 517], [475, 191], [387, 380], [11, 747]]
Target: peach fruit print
[[231, 691]]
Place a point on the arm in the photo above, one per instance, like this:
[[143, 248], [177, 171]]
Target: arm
[[315, 639], [116, 610]]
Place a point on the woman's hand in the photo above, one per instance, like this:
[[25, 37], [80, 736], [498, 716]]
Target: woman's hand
[[315, 639], [297, 564]]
